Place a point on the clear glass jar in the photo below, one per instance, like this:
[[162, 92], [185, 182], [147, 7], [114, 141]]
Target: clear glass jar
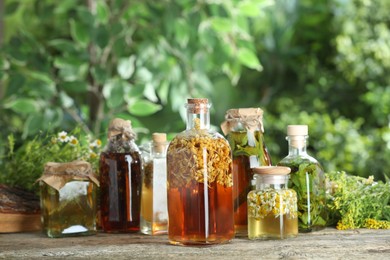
[[68, 199], [154, 209], [307, 179], [120, 180], [244, 130], [200, 199], [272, 207]]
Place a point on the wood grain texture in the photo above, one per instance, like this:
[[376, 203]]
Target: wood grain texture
[[326, 244]]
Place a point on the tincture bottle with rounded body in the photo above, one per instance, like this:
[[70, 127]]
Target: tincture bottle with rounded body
[[68, 199], [200, 204], [307, 179], [272, 207], [244, 130], [154, 209], [120, 180]]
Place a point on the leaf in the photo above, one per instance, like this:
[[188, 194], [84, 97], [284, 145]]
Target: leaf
[[66, 100], [11, 8], [182, 35], [114, 92], [102, 12], [102, 37], [126, 67], [143, 108], [63, 45], [249, 59], [23, 106], [221, 25], [75, 86], [79, 33]]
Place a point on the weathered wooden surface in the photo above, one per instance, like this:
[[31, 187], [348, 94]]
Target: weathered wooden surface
[[326, 244]]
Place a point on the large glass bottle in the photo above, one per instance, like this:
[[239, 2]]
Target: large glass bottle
[[120, 180], [154, 209], [68, 199], [244, 130], [307, 179], [272, 207], [200, 199]]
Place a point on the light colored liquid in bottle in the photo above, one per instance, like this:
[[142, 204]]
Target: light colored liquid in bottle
[[272, 227]]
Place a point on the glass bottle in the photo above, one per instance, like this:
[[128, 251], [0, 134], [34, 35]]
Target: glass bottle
[[154, 209], [200, 199], [272, 207], [244, 130], [68, 199], [307, 179], [120, 180]]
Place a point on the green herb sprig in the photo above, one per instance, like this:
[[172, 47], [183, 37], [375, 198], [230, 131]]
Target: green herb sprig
[[22, 166]]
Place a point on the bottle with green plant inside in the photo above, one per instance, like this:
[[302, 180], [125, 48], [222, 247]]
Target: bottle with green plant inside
[[307, 178]]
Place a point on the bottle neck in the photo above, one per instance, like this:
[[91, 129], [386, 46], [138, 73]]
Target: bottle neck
[[198, 118], [297, 145]]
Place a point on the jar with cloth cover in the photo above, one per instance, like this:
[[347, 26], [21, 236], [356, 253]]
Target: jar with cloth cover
[[68, 199]]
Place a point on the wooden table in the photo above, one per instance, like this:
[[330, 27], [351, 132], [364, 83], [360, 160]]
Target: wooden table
[[326, 244]]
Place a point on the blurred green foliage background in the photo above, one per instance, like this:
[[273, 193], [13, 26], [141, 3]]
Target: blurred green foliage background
[[324, 63]]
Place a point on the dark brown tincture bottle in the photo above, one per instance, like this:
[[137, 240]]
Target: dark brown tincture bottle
[[120, 180]]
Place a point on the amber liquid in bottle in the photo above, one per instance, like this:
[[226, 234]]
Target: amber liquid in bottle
[[243, 174], [120, 191], [200, 214], [199, 182]]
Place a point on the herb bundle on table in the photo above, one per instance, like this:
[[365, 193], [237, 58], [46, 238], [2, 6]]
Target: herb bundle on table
[[357, 202]]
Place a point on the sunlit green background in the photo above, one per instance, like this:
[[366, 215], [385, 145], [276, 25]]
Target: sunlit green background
[[325, 63]]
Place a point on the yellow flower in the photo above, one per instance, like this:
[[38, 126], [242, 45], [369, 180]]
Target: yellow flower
[[92, 155], [73, 141], [53, 140]]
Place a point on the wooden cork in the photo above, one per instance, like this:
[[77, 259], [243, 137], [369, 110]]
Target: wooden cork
[[297, 130], [159, 141], [197, 105], [272, 170]]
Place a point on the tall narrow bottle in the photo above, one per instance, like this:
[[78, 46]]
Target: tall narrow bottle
[[154, 211], [307, 179], [245, 133], [200, 202], [120, 180]]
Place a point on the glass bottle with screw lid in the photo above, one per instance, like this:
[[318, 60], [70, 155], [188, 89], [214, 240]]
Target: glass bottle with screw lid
[[272, 207], [154, 211], [120, 179], [200, 204], [245, 133], [307, 179]]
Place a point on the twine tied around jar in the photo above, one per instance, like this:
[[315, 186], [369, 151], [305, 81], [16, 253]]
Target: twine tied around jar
[[57, 175], [121, 127], [250, 118]]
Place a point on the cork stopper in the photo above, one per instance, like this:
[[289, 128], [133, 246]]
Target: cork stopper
[[197, 105], [293, 130], [159, 142], [271, 175], [159, 137], [272, 170]]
